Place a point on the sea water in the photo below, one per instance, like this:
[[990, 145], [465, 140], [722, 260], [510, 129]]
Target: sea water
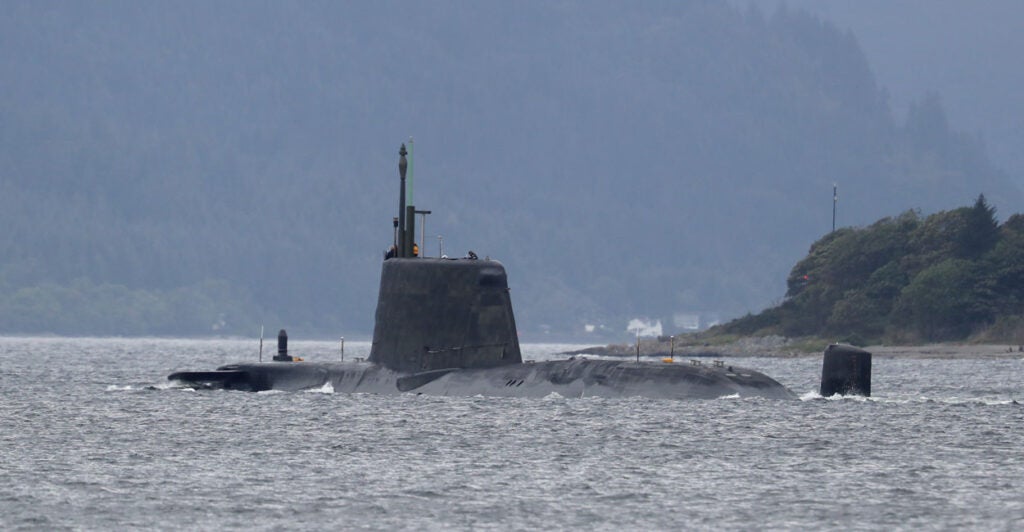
[[92, 436]]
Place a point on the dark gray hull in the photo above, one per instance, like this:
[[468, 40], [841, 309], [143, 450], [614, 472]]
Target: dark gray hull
[[578, 377]]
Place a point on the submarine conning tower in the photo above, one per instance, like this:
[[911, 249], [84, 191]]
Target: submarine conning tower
[[440, 313]]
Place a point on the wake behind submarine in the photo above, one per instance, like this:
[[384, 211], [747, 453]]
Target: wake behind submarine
[[445, 327]]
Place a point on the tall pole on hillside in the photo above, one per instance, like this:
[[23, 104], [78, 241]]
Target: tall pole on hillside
[[835, 199]]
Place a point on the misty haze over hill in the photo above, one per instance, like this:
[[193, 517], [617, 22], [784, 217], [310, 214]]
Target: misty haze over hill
[[966, 52], [207, 167]]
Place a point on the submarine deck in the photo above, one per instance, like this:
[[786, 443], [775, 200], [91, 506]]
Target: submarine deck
[[575, 377]]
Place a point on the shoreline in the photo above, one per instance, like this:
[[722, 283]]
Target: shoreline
[[948, 351], [781, 348]]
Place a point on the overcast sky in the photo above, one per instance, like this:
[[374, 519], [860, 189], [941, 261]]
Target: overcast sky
[[969, 52]]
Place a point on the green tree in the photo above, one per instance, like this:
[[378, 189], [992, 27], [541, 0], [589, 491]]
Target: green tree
[[946, 301], [980, 231], [951, 275], [1004, 266]]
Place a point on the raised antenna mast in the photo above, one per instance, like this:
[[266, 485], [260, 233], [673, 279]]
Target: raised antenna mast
[[402, 166], [411, 202]]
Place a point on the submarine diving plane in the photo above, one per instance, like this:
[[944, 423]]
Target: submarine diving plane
[[445, 327]]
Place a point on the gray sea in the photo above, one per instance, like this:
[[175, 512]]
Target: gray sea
[[93, 437]]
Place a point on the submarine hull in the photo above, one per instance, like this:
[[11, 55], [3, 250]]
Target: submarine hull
[[446, 327], [578, 377]]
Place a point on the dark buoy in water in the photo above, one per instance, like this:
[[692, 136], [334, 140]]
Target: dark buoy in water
[[846, 370], [282, 348]]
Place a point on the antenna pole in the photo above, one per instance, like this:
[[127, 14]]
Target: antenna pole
[[411, 202], [835, 199], [394, 221], [261, 343], [402, 166], [410, 231], [342, 348], [423, 232]]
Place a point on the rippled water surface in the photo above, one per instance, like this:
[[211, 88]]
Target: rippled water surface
[[93, 438]]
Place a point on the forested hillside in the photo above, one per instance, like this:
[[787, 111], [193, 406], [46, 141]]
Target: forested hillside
[[952, 275], [204, 167]]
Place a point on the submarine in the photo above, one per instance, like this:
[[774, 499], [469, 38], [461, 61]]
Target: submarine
[[445, 326]]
